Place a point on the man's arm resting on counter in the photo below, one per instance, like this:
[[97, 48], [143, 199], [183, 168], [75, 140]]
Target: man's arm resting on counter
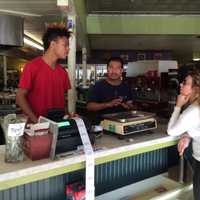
[[21, 100]]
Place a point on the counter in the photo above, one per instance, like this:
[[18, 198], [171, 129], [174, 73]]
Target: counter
[[110, 149]]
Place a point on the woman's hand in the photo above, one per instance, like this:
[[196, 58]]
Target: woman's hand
[[181, 100], [183, 144]]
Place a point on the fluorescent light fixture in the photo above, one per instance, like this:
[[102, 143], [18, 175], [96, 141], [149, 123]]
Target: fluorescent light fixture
[[196, 56], [33, 43], [62, 2], [19, 13], [196, 59], [32, 37]]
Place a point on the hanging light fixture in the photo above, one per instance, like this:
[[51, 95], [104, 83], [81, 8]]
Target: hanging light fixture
[[29, 41]]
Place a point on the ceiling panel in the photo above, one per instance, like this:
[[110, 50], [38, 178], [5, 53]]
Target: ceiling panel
[[143, 6], [183, 43]]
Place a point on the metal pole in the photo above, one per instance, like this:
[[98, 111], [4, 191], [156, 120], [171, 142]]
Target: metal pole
[[84, 65], [5, 76], [95, 73], [78, 74], [181, 168], [72, 65]]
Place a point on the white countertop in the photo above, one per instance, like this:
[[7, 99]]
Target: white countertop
[[110, 148]]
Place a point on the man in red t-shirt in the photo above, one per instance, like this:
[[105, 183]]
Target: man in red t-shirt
[[44, 82]]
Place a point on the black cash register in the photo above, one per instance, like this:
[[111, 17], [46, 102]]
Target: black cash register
[[67, 136]]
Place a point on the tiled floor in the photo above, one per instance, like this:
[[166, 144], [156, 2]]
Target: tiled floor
[[162, 187], [164, 192]]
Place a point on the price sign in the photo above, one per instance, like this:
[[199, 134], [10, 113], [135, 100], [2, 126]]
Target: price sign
[[16, 129]]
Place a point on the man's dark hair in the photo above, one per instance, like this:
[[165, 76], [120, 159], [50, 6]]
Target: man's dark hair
[[117, 59], [52, 34]]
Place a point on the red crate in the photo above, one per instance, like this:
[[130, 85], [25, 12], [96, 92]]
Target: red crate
[[37, 147], [75, 191]]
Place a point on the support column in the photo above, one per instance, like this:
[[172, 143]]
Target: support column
[[95, 73], [72, 64], [5, 76], [78, 74], [84, 65]]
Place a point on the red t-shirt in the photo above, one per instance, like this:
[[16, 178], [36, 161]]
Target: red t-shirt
[[46, 86]]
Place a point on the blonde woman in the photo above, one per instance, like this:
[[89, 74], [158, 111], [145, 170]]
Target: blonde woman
[[187, 123]]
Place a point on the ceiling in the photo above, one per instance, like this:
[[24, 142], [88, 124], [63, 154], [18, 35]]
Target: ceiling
[[37, 13], [183, 46]]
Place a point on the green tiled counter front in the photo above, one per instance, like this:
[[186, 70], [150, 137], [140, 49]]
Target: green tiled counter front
[[119, 161]]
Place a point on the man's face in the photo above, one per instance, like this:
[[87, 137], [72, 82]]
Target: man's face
[[114, 70], [61, 47]]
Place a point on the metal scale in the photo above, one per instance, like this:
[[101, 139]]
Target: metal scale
[[125, 123]]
